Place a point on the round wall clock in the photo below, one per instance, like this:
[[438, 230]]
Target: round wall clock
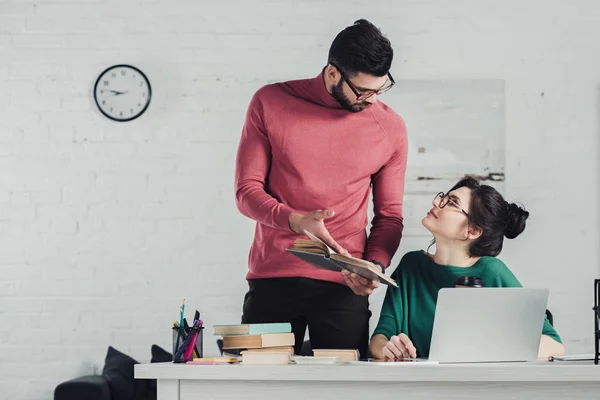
[[122, 92]]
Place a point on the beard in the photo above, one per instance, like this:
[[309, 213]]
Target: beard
[[337, 91]]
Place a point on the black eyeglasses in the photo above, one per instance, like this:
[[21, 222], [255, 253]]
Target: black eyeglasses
[[597, 319], [363, 94], [445, 199]]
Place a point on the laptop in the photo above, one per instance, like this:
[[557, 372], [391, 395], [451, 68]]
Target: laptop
[[474, 325]]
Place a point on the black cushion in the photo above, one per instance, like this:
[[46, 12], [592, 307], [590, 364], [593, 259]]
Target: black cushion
[[160, 355], [91, 387], [119, 373]]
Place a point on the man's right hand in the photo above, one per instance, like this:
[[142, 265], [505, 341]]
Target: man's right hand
[[313, 222]]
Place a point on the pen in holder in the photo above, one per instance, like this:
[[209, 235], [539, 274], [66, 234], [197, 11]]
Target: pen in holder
[[187, 342]]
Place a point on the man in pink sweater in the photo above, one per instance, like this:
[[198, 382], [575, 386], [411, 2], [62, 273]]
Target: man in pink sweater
[[309, 154]]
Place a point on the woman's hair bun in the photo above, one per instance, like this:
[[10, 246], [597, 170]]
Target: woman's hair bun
[[515, 223]]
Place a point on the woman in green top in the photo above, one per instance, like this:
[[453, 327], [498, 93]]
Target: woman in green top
[[468, 224]]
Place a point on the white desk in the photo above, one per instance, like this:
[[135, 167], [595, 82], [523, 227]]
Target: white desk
[[537, 380]]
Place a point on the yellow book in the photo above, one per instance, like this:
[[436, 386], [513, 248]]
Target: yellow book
[[345, 354]]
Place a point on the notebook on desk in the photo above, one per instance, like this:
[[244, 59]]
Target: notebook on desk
[[572, 357], [488, 325]]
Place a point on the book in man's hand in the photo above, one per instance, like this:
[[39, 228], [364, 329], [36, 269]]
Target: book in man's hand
[[319, 254]]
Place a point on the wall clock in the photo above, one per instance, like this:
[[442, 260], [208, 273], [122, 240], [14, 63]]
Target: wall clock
[[122, 92]]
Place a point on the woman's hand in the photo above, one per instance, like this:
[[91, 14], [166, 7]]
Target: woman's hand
[[398, 348]]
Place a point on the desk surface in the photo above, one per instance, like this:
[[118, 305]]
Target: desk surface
[[539, 371]]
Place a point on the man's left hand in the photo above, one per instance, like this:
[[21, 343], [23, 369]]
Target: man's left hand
[[359, 285]]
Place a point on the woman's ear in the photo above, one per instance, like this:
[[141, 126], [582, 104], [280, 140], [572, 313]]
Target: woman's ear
[[474, 232]]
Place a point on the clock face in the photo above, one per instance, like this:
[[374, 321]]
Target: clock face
[[122, 93]]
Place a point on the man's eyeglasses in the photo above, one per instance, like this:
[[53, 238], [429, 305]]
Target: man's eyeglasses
[[445, 199], [363, 94], [597, 319]]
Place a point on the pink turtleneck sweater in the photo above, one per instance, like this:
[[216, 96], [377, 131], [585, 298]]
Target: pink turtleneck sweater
[[300, 151]]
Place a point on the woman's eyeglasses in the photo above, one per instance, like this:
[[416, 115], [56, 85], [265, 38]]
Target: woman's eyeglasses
[[445, 199]]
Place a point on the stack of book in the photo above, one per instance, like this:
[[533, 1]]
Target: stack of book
[[271, 343]]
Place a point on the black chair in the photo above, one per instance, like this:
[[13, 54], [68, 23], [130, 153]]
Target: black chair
[[596, 309]]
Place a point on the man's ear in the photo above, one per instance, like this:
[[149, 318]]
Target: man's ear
[[332, 73], [474, 232]]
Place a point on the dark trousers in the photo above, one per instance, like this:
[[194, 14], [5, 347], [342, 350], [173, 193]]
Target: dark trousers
[[336, 317]]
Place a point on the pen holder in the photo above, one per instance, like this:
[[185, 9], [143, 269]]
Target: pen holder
[[183, 338]]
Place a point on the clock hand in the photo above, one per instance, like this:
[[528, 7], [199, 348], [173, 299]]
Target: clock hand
[[116, 92]]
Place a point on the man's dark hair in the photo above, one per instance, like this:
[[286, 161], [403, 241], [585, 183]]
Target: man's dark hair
[[361, 47]]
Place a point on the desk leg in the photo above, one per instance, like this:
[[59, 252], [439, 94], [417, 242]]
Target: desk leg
[[167, 389]]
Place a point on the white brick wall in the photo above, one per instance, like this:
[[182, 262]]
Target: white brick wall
[[106, 227]]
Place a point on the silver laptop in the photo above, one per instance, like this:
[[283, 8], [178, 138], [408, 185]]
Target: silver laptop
[[488, 324]]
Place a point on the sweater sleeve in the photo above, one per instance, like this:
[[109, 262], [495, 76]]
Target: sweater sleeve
[[391, 311], [388, 193], [253, 161], [505, 278]]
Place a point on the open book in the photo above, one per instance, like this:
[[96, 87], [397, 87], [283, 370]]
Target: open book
[[319, 254]]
